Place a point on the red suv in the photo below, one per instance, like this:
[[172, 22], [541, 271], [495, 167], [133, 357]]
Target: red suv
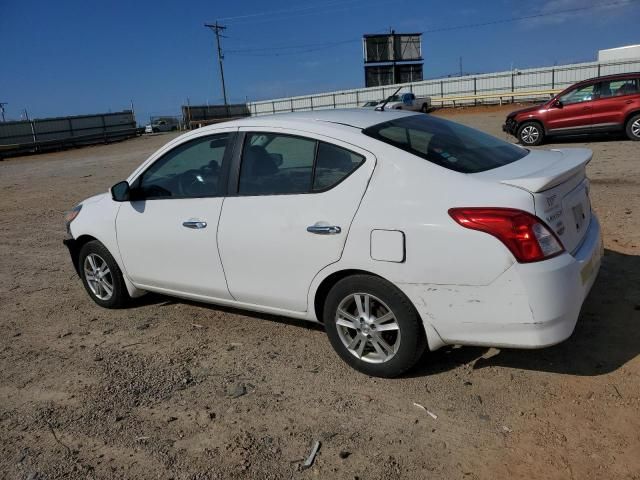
[[603, 104]]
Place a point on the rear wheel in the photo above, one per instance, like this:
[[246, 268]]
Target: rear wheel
[[531, 134], [101, 276], [425, 108], [633, 127], [373, 326]]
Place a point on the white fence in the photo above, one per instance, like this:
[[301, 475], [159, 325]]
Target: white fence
[[441, 90]]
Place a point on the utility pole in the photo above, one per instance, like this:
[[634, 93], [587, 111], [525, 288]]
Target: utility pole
[[217, 29], [393, 55], [2, 104], [460, 66]]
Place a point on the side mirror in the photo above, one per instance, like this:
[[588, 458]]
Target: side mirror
[[557, 103], [121, 191]]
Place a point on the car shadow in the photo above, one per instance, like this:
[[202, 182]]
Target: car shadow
[[166, 301], [590, 138], [607, 335]]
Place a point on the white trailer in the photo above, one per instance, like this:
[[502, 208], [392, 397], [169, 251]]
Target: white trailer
[[620, 53]]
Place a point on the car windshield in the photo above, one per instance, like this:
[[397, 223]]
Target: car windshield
[[446, 143]]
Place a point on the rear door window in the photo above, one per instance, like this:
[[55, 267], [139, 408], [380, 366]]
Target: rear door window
[[618, 88], [333, 165], [278, 164]]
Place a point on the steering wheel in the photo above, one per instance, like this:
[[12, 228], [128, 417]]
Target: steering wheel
[[191, 182]]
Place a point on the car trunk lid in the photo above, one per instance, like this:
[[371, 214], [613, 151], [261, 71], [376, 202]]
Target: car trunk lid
[[557, 181]]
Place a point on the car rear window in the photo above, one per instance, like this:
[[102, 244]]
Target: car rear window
[[446, 143]]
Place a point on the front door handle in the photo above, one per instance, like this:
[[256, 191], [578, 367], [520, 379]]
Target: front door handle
[[324, 229], [195, 224]]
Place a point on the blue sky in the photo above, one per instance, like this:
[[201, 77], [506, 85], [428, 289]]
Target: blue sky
[[84, 56]]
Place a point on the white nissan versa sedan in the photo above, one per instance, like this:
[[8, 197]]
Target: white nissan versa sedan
[[396, 230]]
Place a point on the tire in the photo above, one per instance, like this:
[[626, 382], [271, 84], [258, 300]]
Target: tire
[[531, 134], [425, 108], [92, 258], [632, 128], [384, 353]]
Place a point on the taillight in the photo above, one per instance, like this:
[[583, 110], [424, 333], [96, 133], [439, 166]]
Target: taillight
[[525, 235]]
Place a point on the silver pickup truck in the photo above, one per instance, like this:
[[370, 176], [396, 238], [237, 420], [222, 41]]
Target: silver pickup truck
[[408, 101]]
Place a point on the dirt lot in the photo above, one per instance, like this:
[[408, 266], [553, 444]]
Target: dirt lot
[[148, 392]]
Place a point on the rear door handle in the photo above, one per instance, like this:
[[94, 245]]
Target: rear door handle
[[196, 224], [324, 229]]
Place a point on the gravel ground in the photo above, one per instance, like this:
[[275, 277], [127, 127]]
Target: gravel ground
[[172, 389]]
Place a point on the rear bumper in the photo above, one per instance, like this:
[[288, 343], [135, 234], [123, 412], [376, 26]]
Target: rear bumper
[[529, 306]]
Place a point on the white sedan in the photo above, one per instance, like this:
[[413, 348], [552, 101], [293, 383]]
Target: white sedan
[[398, 231]]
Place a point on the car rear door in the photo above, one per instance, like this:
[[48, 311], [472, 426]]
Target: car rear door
[[292, 198], [167, 233], [574, 112], [617, 97]]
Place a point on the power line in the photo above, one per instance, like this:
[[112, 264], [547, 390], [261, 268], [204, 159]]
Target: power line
[[287, 10], [291, 47], [307, 48]]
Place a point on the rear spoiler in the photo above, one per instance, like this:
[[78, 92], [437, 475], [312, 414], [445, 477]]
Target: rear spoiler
[[572, 161]]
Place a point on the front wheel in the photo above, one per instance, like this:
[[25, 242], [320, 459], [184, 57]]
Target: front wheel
[[633, 128], [373, 326], [531, 134], [101, 276]]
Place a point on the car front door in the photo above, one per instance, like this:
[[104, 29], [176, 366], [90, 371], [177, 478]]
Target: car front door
[[573, 113], [167, 233], [294, 199]]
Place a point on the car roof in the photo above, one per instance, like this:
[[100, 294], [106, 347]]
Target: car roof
[[360, 118], [610, 77]]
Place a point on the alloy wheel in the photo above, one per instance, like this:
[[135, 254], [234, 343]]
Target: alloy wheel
[[98, 276], [530, 134], [368, 328], [635, 128]]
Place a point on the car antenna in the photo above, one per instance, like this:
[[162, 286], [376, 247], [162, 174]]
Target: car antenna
[[380, 108]]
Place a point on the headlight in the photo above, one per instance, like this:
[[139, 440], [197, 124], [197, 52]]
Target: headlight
[[70, 216]]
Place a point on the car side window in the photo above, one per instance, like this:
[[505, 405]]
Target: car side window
[[333, 164], [618, 88], [277, 164], [190, 170], [579, 95]]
